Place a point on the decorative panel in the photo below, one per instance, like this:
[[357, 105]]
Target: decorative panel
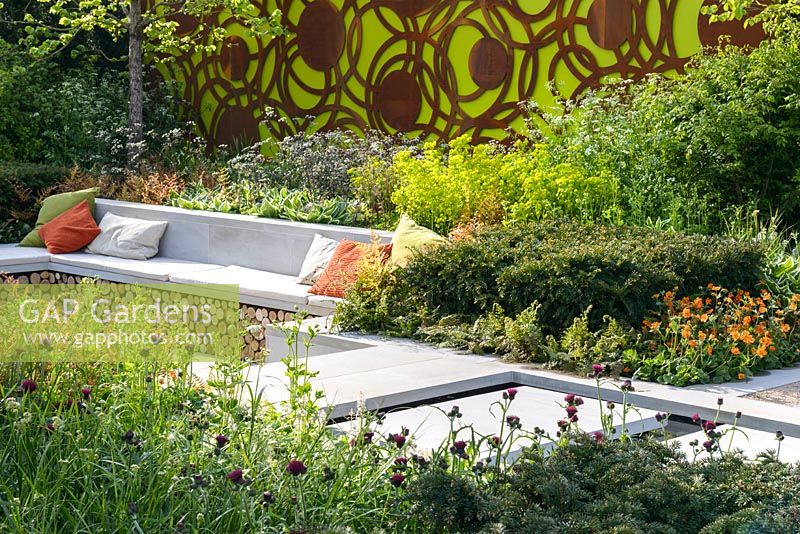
[[432, 68]]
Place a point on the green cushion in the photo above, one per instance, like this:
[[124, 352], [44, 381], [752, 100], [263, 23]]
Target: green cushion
[[409, 237], [55, 205]]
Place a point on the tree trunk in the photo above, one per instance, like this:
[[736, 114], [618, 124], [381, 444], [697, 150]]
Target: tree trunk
[[136, 87]]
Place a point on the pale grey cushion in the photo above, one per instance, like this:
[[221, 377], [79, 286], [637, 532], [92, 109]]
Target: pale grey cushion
[[11, 254], [251, 282], [317, 258], [157, 269], [124, 237]]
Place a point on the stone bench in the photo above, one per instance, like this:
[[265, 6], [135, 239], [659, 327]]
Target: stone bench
[[262, 256]]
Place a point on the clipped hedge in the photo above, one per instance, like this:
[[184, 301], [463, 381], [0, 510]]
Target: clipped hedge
[[568, 267]]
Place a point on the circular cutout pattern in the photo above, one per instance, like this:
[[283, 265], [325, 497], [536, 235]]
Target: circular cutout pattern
[[488, 63], [399, 100], [410, 8], [610, 23], [234, 57], [320, 35], [236, 125]]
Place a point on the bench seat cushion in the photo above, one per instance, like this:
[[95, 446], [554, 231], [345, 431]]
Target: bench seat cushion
[[252, 283], [157, 269], [321, 301], [11, 254]]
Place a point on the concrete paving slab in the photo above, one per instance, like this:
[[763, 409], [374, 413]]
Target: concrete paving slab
[[751, 442]]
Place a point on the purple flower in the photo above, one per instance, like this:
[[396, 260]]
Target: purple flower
[[368, 437], [597, 436], [236, 476], [512, 421], [86, 392], [28, 386], [563, 424], [627, 386], [578, 401], [571, 410], [222, 440], [708, 445], [660, 416], [574, 418], [696, 418], [510, 393], [398, 439], [597, 369], [401, 461], [460, 446], [267, 498], [397, 479], [495, 440], [569, 398], [296, 468], [709, 425]]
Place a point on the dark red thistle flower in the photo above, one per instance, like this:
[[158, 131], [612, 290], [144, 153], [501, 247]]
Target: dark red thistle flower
[[512, 421], [460, 445], [709, 425], [571, 410], [397, 479], [50, 427], [28, 386], [296, 468], [660, 417], [574, 418], [401, 461], [222, 440], [368, 437], [510, 393], [398, 439], [696, 418], [597, 436], [569, 398], [627, 385], [495, 440], [563, 424], [578, 401], [708, 445], [86, 392], [267, 498], [236, 476], [597, 369]]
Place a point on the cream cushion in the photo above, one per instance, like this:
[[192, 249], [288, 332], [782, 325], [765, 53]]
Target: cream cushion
[[124, 237], [317, 258]]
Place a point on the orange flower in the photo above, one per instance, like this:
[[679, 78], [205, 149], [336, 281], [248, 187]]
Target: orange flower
[[701, 335], [761, 351], [747, 338], [709, 350], [741, 376], [687, 313], [735, 351], [692, 343], [686, 332], [747, 320], [762, 309], [785, 328], [698, 303], [704, 318]]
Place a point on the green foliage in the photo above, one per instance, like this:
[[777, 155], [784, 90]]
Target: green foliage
[[579, 347], [725, 134], [460, 182], [249, 198], [321, 162], [568, 267], [585, 486], [20, 187]]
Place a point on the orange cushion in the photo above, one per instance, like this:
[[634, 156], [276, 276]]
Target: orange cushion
[[342, 271], [70, 231]]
